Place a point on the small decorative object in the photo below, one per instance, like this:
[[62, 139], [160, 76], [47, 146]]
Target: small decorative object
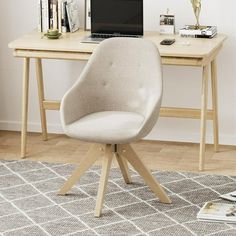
[[167, 23], [197, 9], [197, 31], [53, 34], [87, 14]]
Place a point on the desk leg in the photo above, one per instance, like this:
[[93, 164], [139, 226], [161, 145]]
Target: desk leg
[[25, 93], [203, 116], [39, 75], [215, 104]]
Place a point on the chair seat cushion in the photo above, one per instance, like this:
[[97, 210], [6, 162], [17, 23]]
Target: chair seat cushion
[[110, 127]]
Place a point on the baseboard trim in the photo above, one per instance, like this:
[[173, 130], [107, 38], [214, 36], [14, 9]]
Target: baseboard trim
[[32, 127], [56, 129]]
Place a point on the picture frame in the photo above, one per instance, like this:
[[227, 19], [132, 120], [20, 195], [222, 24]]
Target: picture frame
[[167, 24], [87, 20]]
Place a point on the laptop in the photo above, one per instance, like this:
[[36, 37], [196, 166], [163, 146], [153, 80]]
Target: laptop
[[115, 18]]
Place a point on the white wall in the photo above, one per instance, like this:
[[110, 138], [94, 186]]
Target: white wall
[[182, 86]]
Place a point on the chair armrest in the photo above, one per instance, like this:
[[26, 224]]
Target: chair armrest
[[151, 115], [74, 103]]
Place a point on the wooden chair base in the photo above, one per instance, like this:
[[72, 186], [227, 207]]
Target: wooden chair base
[[123, 153]]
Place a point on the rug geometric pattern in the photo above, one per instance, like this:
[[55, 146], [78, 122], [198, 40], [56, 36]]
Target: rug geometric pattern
[[29, 204]]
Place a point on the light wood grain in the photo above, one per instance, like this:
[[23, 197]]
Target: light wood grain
[[51, 105], [134, 160], [88, 161], [25, 95], [156, 155], [215, 104], [106, 166], [39, 76], [198, 48], [203, 116], [124, 168], [52, 54], [184, 113]]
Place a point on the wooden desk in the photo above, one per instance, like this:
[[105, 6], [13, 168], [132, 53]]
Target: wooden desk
[[200, 53]]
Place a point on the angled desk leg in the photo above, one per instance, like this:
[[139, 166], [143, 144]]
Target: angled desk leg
[[215, 104], [39, 75], [204, 96], [25, 95]]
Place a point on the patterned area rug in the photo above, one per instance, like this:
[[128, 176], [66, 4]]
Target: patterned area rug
[[29, 204]]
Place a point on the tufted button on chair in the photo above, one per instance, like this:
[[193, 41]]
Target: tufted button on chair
[[115, 101]]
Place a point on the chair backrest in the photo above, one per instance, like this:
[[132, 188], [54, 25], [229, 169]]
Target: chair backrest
[[123, 74]]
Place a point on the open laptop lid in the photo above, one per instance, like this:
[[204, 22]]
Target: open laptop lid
[[123, 17]]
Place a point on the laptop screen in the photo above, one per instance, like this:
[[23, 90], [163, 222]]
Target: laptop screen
[[117, 17]]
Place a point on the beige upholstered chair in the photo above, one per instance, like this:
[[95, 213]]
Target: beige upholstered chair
[[115, 101]]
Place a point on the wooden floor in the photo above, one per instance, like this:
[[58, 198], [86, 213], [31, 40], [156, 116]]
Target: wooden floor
[[157, 155]]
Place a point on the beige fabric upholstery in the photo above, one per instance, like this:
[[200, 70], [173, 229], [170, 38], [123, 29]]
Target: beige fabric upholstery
[[120, 126], [118, 95]]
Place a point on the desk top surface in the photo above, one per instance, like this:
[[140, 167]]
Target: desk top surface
[[71, 42]]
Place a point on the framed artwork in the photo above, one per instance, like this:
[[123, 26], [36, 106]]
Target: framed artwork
[[167, 24], [87, 25]]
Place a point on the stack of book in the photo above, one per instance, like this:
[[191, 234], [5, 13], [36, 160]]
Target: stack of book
[[203, 32], [218, 211], [62, 15]]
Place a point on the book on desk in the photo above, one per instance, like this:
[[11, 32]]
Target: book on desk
[[202, 32], [58, 14]]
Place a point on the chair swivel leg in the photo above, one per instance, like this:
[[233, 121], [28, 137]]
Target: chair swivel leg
[[106, 165], [127, 151], [124, 168], [86, 163]]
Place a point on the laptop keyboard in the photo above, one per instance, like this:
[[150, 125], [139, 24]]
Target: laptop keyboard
[[106, 36]]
